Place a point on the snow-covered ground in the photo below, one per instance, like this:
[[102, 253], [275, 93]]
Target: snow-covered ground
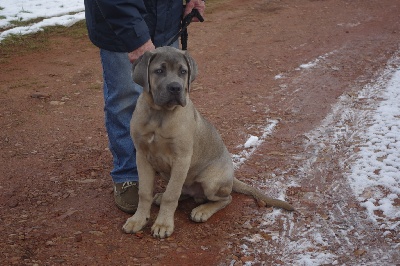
[[56, 12], [366, 137], [375, 176]]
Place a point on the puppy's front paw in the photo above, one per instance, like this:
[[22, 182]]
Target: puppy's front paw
[[134, 224], [163, 228], [201, 214]]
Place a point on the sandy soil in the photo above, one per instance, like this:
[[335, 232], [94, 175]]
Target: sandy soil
[[55, 190]]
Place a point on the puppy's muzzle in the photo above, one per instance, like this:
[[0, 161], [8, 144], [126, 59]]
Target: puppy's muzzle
[[174, 88], [174, 94]]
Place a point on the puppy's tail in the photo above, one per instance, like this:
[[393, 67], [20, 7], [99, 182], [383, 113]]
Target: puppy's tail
[[263, 200]]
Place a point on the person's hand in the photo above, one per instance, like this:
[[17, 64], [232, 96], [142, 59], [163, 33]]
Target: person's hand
[[134, 55], [197, 4]]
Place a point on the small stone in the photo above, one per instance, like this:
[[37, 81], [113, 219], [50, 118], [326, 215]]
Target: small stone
[[67, 214], [50, 243], [39, 95], [359, 252], [13, 203], [56, 103], [96, 233], [266, 236], [86, 181], [14, 260], [179, 250], [247, 225], [141, 255], [78, 237], [245, 259], [139, 235], [238, 263]]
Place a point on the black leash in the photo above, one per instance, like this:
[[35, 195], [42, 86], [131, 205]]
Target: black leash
[[183, 32]]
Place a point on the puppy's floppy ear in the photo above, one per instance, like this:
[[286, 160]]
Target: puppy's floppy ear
[[140, 69], [192, 68]]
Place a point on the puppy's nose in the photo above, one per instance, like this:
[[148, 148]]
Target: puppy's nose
[[174, 88]]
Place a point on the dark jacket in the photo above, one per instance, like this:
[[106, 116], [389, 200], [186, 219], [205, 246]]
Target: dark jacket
[[125, 25]]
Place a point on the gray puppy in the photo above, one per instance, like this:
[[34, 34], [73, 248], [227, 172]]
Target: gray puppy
[[174, 140]]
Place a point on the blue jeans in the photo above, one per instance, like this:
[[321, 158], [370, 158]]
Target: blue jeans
[[120, 97]]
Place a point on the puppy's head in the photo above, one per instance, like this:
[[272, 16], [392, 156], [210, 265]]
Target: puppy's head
[[165, 73]]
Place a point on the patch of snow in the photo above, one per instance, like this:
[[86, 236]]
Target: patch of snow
[[315, 62], [252, 144], [66, 20], [56, 12], [375, 177]]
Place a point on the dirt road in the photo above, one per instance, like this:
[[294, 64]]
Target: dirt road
[[284, 71]]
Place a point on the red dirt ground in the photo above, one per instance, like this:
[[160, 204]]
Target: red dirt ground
[[56, 194]]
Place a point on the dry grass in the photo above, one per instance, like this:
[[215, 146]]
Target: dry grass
[[21, 44]]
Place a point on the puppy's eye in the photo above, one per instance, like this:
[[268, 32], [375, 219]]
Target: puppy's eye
[[159, 71], [183, 71]]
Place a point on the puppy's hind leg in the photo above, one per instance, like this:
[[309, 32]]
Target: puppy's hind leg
[[218, 198], [216, 182], [205, 211]]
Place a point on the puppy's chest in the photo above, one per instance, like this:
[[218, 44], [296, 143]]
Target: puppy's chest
[[158, 151], [159, 139], [151, 135], [154, 142]]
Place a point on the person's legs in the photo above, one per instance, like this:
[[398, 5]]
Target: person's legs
[[120, 96]]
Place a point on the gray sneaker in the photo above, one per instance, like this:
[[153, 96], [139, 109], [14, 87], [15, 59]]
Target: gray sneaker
[[126, 196]]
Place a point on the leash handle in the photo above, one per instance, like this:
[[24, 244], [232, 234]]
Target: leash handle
[[185, 23], [183, 32], [194, 13]]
